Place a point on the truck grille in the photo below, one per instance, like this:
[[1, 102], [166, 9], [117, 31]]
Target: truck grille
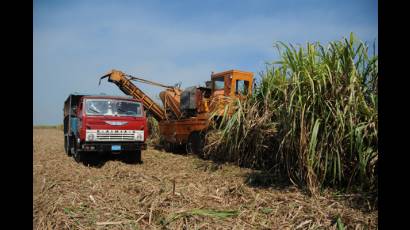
[[115, 135]]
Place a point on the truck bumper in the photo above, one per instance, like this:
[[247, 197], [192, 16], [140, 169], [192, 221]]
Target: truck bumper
[[106, 146]]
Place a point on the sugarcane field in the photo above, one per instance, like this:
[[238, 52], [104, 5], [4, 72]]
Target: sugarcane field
[[150, 121]]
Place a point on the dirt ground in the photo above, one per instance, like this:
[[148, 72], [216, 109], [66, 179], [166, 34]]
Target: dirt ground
[[173, 191]]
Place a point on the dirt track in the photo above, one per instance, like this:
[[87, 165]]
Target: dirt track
[[116, 195]]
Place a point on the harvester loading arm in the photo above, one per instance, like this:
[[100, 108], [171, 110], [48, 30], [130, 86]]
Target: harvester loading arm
[[170, 97], [123, 82]]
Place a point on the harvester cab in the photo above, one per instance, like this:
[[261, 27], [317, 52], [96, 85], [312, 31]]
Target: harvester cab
[[232, 83], [228, 86]]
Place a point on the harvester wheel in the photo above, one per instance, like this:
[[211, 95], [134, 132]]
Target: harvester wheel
[[169, 147], [195, 143]]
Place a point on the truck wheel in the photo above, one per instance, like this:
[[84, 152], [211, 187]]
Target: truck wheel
[[67, 145], [134, 157], [66, 149], [195, 143], [77, 154]]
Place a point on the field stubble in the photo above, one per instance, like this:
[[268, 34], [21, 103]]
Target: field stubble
[[173, 192]]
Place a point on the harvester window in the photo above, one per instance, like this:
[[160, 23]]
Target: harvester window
[[242, 87], [219, 83]]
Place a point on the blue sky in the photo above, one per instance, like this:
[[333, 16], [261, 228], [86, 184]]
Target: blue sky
[[76, 42]]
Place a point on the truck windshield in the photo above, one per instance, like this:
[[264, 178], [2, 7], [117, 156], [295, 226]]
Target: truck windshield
[[112, 107]]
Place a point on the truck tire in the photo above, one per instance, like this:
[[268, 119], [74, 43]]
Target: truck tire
[[133, 157], [77, 154], [66, 149], [67, 145]]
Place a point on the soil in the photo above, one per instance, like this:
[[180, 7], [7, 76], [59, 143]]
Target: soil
[[175, 191]]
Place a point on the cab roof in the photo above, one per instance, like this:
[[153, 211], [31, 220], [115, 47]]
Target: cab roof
[[111, 97], [76, 97], [233, 72]]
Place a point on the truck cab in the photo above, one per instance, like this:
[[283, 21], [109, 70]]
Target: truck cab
[[104, 124]]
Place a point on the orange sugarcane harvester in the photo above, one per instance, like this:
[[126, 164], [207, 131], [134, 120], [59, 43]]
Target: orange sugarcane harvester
[[184, 117]]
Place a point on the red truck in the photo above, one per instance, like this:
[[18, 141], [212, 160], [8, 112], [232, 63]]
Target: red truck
[[104, 124]]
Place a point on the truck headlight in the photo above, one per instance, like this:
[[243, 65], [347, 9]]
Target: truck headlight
[[139, 136]]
